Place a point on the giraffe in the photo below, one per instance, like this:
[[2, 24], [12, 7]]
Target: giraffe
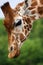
[[19, 22]]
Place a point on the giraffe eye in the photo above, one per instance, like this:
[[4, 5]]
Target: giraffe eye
[[18, 23]]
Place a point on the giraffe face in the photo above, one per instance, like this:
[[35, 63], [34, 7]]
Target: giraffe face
[[18, 27], [19, 32], [14, 36]]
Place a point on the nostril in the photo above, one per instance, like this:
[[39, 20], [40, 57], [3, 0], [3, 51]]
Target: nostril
[[11, 48]]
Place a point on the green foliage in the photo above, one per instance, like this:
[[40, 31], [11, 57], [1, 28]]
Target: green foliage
[[31, 51]]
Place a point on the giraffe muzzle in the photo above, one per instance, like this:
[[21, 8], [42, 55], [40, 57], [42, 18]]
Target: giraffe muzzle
[[13, 52]]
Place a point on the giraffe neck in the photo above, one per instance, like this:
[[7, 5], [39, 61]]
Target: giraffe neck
[[34, 11], [35, 2]]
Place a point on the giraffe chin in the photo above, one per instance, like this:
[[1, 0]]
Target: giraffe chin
[[14, 54]]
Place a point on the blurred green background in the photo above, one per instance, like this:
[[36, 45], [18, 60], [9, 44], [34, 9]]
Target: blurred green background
[[31, 51]]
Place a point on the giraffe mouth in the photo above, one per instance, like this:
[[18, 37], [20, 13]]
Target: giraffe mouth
[[14, 53]]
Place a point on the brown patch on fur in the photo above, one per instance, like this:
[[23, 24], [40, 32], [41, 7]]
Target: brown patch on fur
[[34, 3], [21, 4], [27, 19], [41, 1], [32, 7], [32, 17], [13, 38], [30, 26], [25, 27], [22, 37], [40, 10], [26, 31], [33, 12]]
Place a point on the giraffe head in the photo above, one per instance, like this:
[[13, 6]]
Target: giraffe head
[[18, 27]]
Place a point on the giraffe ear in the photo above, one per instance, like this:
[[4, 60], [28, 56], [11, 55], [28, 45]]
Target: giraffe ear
[[7, 9], [8, 12]]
